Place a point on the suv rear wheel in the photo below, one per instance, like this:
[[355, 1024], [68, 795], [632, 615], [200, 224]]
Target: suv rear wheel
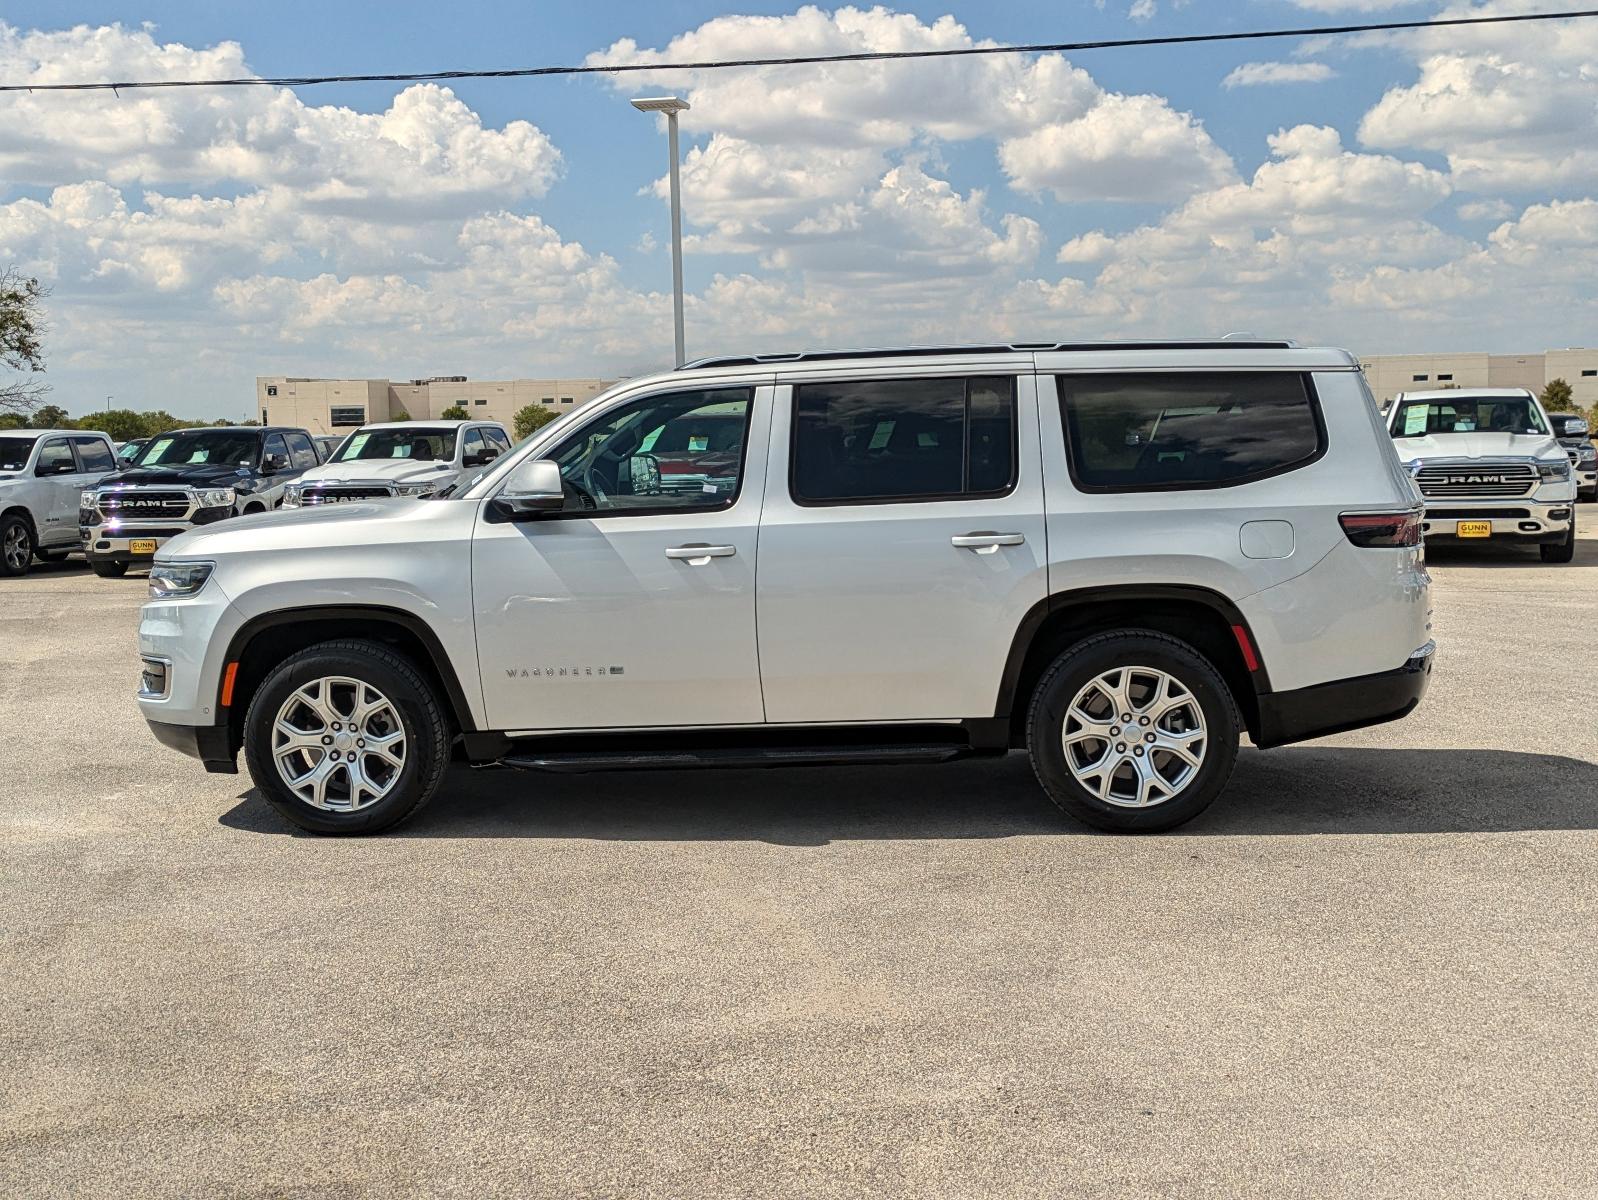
[[1133, 732], [346, 737]]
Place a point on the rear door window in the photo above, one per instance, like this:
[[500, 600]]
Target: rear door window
[[94, 454], [1150, 432], [895, 440]]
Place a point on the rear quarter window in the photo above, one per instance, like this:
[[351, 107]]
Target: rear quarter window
[[1152, 432]]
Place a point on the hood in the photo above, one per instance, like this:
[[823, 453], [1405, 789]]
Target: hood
[[192, 474], [390, 470], [1479, 444], [331, 530]]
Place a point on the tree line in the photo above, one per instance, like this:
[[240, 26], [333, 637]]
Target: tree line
[[119, 424]]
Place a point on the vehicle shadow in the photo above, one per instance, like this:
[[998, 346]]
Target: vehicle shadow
[[1294, 791]]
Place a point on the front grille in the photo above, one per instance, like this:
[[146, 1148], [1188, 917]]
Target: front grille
[[135, 504], [1477, 514], [344, 493], [1477, 480]]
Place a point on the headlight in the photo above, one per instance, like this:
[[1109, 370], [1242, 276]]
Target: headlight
[[291, 495], [173, 581], [214, 497], [1554, 470], [416, 489], [1588, 453]]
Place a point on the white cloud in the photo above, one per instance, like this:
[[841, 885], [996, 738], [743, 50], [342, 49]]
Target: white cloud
[[1257, 74], [1511, 106], [1485, 210]]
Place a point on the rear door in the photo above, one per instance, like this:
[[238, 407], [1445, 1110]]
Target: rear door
[[901, 544]]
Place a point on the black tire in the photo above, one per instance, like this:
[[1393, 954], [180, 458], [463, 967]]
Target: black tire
[[1565, 551], [108, 568], [1132, 648], [427, 734], [16, 545]]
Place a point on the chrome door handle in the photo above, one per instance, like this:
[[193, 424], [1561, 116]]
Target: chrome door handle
[[987, 543], [699, 555]]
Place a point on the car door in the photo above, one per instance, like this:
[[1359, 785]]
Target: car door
[[270, 490], [58, 481], [635, 604], [901, 544]]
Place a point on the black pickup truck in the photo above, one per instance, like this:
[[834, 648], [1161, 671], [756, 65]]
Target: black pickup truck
[[185, 478]]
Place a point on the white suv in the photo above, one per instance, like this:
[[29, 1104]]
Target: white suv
[[1489, 466], [1119, 557], [402, 458], [42, 474]]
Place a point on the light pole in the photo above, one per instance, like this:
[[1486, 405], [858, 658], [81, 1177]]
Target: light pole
[[671, 106], [108, 400]]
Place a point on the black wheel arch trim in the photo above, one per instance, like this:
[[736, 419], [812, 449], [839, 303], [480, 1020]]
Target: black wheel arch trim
[[1027, 632], [373, 613]]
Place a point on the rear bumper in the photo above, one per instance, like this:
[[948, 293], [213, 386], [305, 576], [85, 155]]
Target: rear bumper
[[208, 743], [1345, 704]]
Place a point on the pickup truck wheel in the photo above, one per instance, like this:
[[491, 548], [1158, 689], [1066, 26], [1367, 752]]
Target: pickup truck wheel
[[1132, 732], [1565, 551], [108, 568], [16, 545], [346, 737]]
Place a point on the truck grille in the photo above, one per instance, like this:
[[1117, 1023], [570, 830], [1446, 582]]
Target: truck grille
[[134, 504], [1477, 480], [343, 493]]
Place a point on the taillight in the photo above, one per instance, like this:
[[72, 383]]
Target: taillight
[[1382, 529]]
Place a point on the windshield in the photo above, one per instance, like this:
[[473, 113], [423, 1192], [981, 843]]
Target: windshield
[[14, 452], [1482, 414], [223, 447], [419, 445]]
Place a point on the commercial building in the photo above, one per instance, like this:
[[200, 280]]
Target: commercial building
[[1389, 374], [339, 405]]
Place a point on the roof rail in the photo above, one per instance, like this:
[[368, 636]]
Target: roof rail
[[1232, 342]]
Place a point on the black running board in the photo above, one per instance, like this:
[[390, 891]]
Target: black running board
[[578, 762]]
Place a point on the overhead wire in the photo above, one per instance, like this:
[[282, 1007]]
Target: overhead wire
[[1189, 39]]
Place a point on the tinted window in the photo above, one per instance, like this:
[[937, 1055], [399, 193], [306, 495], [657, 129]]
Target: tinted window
[[473, 445], [14, 452], [302, 455], [1130, 432], [203, 446], [903, 439], [94, 454], [681, 451], [276, 446], [497, 439], [55, 458]]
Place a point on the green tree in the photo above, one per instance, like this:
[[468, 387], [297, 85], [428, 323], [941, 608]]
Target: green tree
[[454, 413], [1558, 396], [13, 420], [119, 424], [22, 332], [399, 415], [50, 416], [531, 419]]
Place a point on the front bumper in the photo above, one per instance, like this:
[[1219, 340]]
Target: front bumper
[[118, 547], [1536, 522], [1344, 704], [208, 743]]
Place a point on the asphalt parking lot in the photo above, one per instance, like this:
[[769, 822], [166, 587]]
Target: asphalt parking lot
[[1369, 970]]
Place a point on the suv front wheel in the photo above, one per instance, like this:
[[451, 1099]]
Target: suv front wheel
[[1133, 732], [346, 737]]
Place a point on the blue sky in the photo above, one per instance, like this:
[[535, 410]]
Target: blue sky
[[1127, 199]]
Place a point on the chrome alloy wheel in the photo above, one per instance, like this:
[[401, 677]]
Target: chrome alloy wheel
[[17, 546], [338, 744], [1135, 737]]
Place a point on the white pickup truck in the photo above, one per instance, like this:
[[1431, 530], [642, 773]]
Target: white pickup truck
[[42, 474], [1489, 466]]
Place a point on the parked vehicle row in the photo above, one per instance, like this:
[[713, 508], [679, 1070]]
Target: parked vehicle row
[[1118, 557]]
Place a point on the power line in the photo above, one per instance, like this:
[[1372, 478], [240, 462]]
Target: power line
[[800, 60]]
